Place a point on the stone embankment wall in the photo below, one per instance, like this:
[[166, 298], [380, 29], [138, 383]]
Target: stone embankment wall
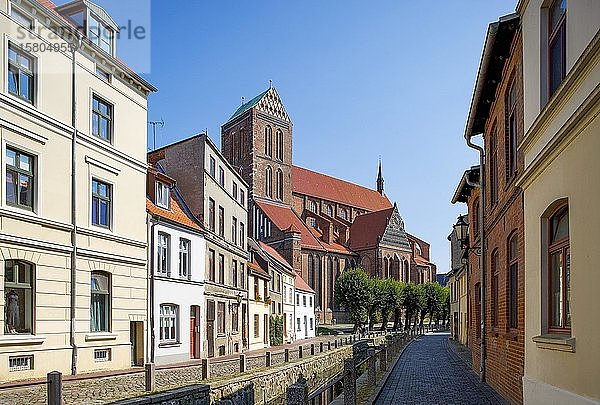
[[260, 386]]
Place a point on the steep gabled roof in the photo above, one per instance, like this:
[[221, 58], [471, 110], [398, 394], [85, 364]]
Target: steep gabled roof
[[368, 229], [329, 188], [175, 214], [301, 285], [274, 255], [268, 102], [283, 217]]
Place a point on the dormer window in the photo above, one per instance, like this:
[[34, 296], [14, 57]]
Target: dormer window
[[162, 195], [93, 21], [99, 34]]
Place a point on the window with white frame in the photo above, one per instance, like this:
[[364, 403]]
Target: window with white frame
[[310, 302], [19, 290], [21, 77], [162, 195], [162, 262], [304, 300], [184, 258], [169, 323], [21, 18], [212, 167], [20, 179], [100, 35], [100, 302]]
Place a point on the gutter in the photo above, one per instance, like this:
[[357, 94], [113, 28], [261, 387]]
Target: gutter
[[73, 280], [152, 222]]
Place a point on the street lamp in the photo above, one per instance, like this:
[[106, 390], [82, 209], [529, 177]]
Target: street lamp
[[461, 229]]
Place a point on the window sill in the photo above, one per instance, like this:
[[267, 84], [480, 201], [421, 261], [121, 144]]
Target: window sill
[[100, 336], [9, 340], [169, 344], [555, 342]]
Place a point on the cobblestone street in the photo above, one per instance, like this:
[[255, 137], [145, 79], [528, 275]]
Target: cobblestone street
[[431, 372]]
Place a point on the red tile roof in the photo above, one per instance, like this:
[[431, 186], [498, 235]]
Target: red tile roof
[[301, 285], [274, 254], [257, 269], [283, 217], [333, 247], [176, 214], [421, 261], [319, 185], [367, 229]]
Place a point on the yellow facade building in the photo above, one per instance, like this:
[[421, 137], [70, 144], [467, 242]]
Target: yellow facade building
[[561, 76], [72, 201]]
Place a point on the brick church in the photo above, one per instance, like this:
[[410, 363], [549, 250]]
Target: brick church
[[320, 224]]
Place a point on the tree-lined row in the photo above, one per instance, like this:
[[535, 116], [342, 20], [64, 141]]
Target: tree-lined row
[[370, 300]]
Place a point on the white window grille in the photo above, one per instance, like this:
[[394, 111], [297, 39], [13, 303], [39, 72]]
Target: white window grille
[[101, 355], [20, 363]]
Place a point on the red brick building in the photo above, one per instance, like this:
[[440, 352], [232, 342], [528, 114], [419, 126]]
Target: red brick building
[[311, 218], [497, 114]]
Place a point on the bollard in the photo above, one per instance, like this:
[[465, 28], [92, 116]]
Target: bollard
[[267, 359], [383, 358], [242, 363], [300, 351], [372, 379], [150, 376], [346, 339], [321, 347], [54, 388], [312, 349], [349, 382], [328, 345], [297, 394], [205, 369], [286, 356], [335, 343]]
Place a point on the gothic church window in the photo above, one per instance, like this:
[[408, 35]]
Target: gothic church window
[[279, 144], [269, 182], [279, 184], [269, 141]]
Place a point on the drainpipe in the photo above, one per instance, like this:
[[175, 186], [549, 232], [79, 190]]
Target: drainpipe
[[482, 260], [153, 222], [73, 342]]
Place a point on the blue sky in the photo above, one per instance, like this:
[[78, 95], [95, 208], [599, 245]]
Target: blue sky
[[359, 79]]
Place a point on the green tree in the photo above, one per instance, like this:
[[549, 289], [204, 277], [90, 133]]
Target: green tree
[[410, 303], [353, 292], [387, 299]]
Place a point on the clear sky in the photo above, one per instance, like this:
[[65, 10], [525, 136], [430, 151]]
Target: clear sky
[[359, 80]]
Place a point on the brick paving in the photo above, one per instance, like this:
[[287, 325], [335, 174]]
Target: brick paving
[[431, 372]]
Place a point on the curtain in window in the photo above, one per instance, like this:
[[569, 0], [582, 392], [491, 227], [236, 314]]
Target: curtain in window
[[99, 303]]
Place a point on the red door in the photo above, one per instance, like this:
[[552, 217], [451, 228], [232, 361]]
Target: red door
[[192, 337]]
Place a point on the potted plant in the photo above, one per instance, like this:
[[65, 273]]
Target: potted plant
[[268, 300]]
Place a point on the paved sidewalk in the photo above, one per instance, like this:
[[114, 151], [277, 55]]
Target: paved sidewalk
[[431, 372]]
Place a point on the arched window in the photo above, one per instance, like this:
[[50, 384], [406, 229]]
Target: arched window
[[559, 271], [513, 279], [343, 213], [494, 271], [279, 184], [318, 284], [405, 275], [100, 302], [329, 210], [240, 146], [269, 141], [311, 272], [18, 297], [232, 146], [279, 144], [269, 182], [475, 217]]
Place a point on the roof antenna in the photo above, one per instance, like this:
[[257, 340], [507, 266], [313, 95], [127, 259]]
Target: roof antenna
[[270, 83], [243, 100]]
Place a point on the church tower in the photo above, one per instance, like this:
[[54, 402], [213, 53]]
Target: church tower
[[380, 180], [257, 141]]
